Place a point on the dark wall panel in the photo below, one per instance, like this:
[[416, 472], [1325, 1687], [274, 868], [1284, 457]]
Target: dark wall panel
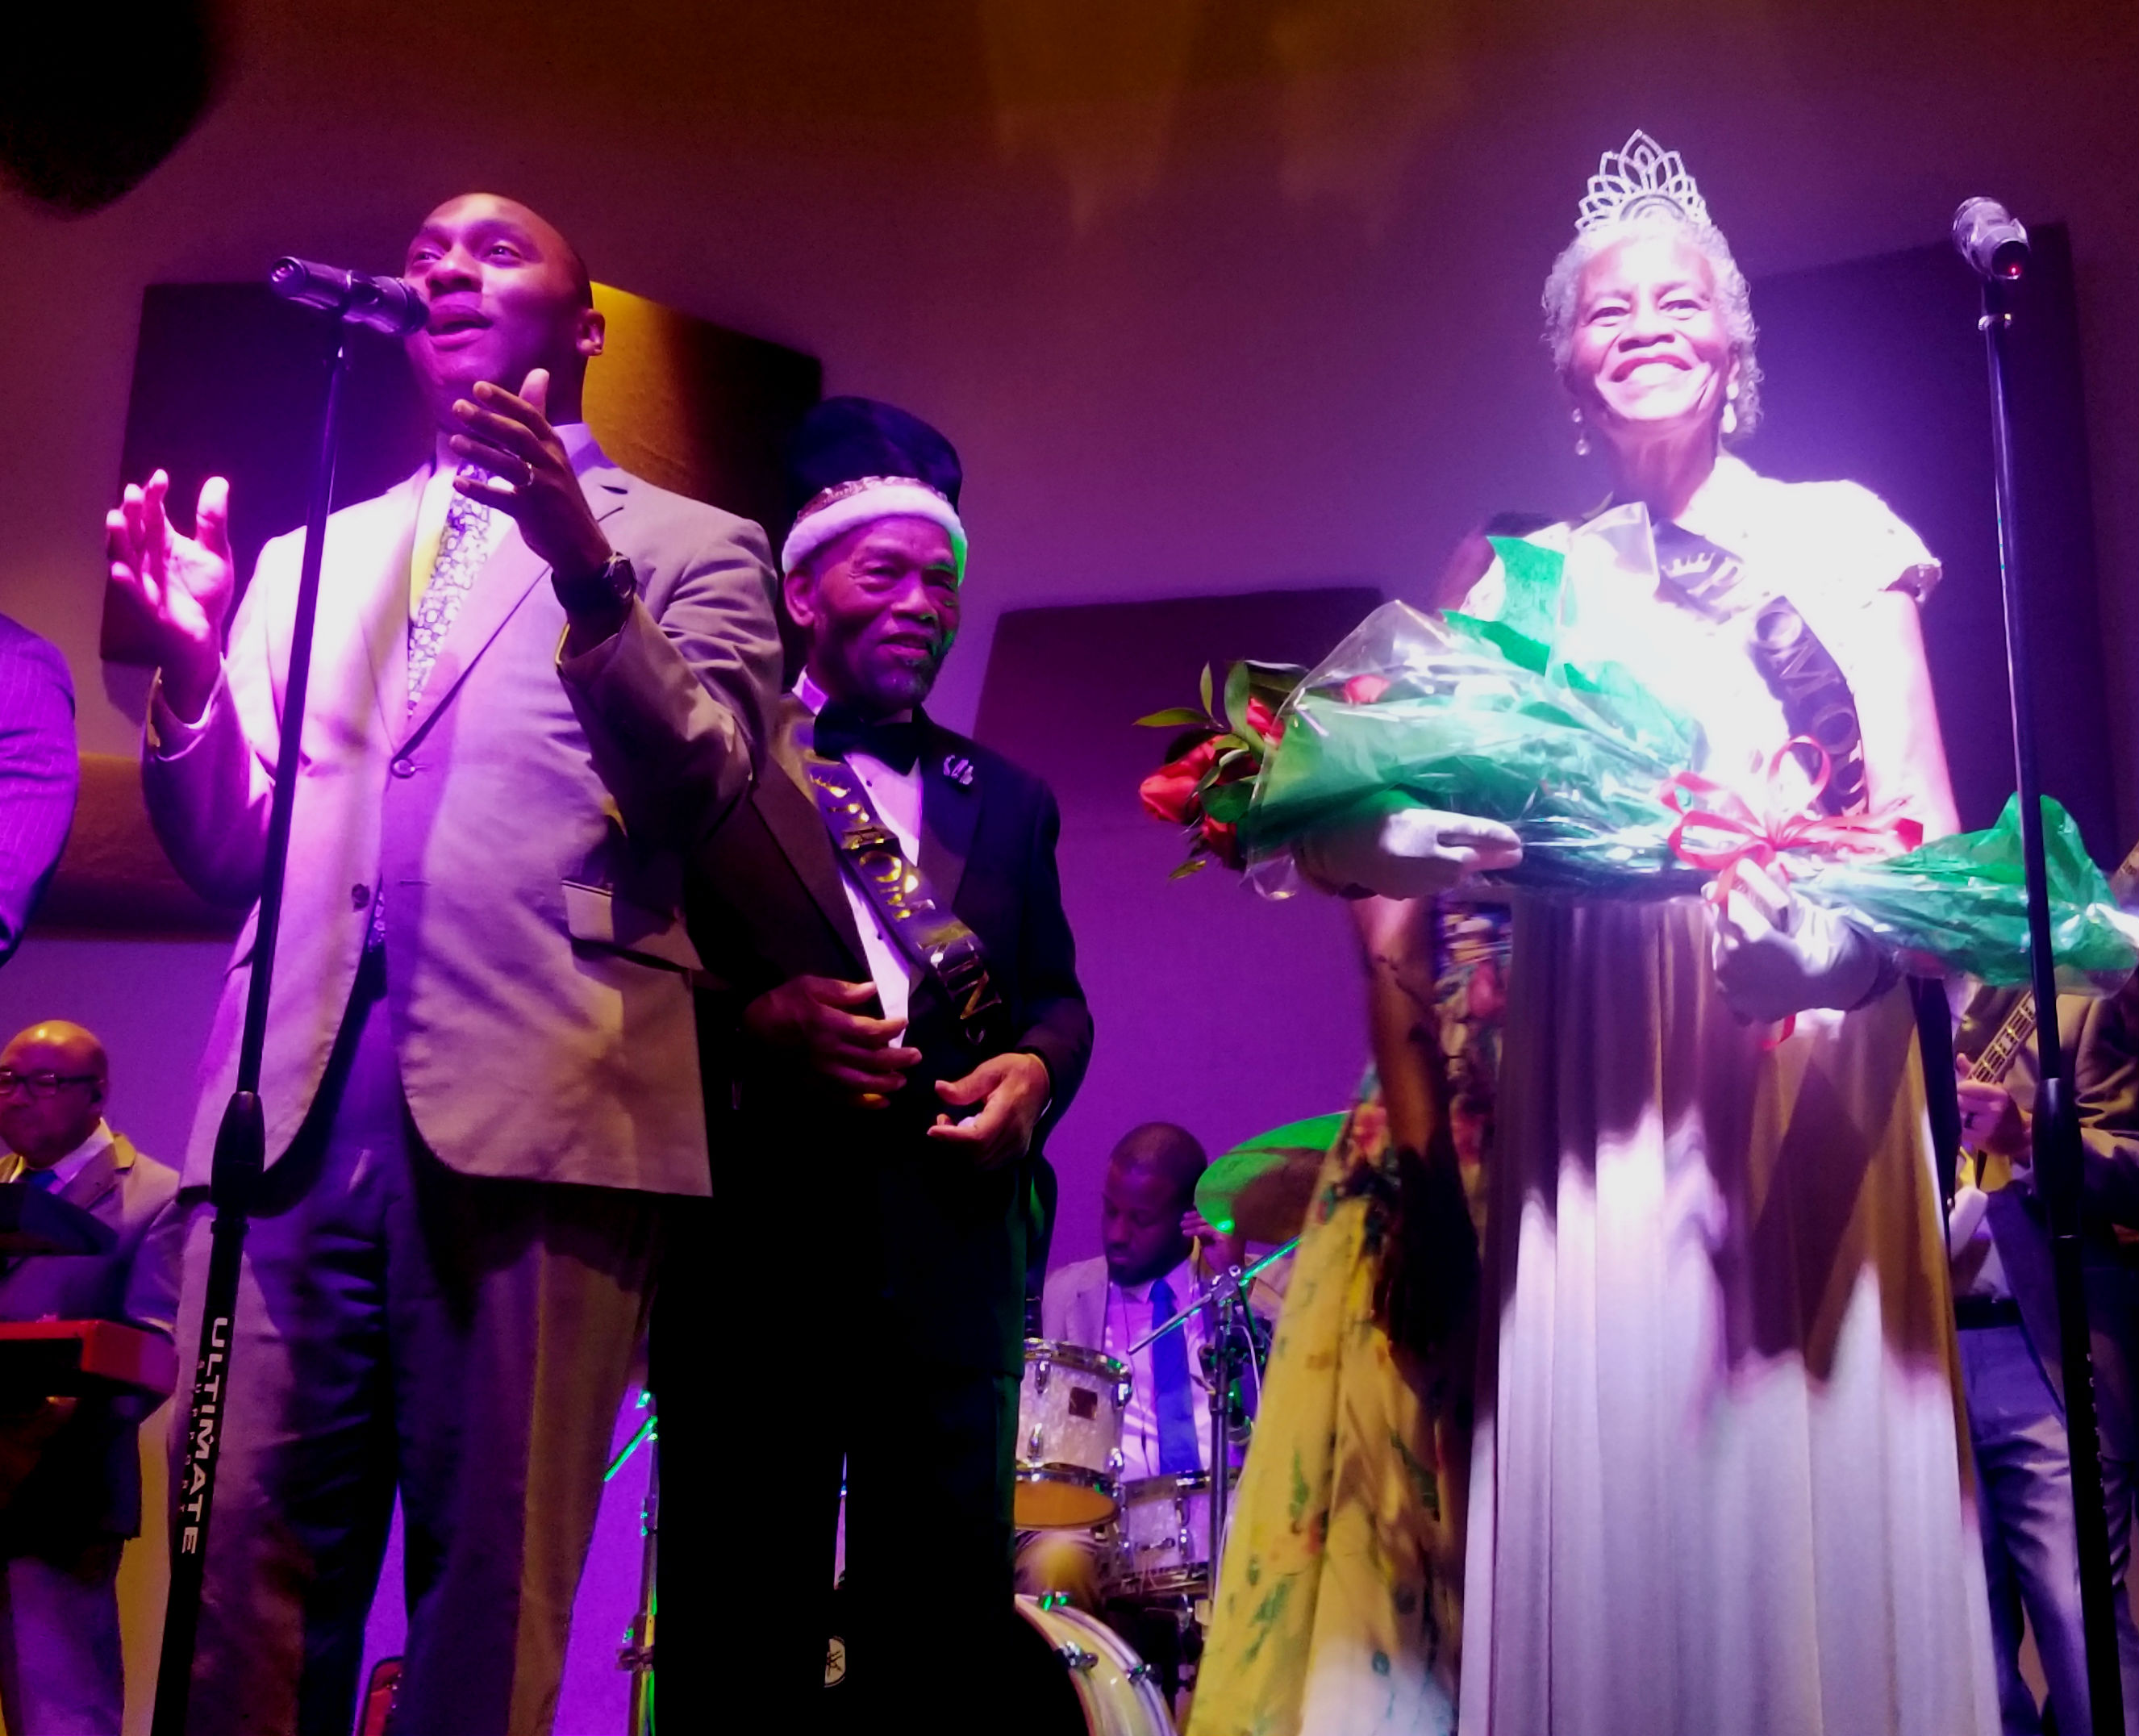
[[1215, 1008], [1875, 372]]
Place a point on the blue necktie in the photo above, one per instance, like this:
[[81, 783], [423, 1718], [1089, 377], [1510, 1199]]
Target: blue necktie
[[1169, 1397], [41, 1179]]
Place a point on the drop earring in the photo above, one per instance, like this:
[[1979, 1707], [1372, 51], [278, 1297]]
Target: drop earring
[[1581, 437], [1730, 410]]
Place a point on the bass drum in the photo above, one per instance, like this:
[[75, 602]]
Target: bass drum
[[1070, 1675], [1116, 1690]]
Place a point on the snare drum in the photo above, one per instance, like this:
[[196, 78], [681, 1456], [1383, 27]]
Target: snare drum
[[1165, 1526], [1069, 1435]]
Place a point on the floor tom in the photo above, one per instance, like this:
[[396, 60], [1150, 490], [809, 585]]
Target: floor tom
[[1165, 1529]]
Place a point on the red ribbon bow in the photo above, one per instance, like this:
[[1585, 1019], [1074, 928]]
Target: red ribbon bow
[[1718, 831], [1739, 836]]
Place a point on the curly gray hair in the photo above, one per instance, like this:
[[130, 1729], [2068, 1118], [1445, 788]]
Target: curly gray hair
[[1731, 289]]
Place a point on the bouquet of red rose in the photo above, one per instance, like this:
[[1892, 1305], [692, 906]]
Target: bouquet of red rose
[[1591, 770], [1213, 761]]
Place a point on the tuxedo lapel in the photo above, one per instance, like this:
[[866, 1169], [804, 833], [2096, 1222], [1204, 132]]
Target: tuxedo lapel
[[950, 810], [788, 803], [507, 577]]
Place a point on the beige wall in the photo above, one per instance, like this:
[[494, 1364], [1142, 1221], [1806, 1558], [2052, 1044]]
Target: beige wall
[[1210, 295]]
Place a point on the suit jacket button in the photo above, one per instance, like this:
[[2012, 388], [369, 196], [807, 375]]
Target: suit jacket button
[[359, 897], [403, 768]]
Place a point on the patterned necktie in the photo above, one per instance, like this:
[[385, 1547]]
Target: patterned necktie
[[1171, 1398], [471, 529]]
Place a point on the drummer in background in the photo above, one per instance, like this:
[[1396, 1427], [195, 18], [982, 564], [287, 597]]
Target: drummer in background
[[1159, 1254]]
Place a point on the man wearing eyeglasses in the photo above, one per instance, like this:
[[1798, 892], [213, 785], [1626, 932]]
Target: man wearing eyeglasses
[[63, 1525]]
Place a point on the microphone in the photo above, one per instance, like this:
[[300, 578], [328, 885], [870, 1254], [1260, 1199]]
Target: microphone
[[391, 305], [1991, 239]]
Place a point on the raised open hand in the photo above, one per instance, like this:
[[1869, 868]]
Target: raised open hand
[[182, 585], [531, 477]]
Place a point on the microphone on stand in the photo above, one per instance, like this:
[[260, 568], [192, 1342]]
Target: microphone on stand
[[1990, 239], [391, 305]]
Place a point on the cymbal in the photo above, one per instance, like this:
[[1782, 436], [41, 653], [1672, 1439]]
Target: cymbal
[[1263, 1187]]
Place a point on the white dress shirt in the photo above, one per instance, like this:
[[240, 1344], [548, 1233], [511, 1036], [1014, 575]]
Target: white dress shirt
[[1129, 1316], [896, 796], [68, 1167]]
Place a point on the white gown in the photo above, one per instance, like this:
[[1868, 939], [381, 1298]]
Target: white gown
[[1720, 1486]]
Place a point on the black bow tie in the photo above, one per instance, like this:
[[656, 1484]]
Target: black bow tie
[[841, 730]]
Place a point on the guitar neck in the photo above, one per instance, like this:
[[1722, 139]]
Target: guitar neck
[[2012, 1036]]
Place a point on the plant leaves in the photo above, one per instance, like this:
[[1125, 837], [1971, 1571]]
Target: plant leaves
[[1226, 802], [1174, 717], [1236, 701], [1194, 865], [1215, 772], [1204, 687]]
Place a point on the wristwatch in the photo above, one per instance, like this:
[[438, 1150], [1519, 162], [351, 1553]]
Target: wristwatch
[[606, 591]]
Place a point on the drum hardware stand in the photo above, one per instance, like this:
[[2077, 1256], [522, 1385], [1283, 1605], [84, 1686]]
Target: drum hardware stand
[[636, 1654], [241, 1141], [1997, 247], [1232, 1291], [1228, 1293]]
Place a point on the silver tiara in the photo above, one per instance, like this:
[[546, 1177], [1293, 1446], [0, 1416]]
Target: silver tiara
[[1639, 177]]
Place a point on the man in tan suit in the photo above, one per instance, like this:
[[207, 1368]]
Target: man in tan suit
[[72, 1468], [537, 681]]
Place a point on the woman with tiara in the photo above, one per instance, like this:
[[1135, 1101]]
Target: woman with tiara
[[1717, 1483]]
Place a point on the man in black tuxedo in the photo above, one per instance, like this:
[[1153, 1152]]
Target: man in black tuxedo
[[881, 1067]]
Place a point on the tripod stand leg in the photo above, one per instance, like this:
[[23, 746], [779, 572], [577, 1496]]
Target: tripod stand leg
[[638, 1655]]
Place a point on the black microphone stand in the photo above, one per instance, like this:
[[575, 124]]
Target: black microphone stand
[[241, 1141], [2058, 1154]]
